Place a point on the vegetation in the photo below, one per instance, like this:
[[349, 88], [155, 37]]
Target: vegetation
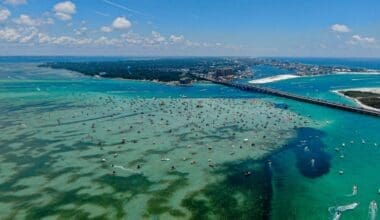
[[164, 70], [367, 98]]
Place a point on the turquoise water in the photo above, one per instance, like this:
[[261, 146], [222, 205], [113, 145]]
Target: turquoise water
[[58, 126]]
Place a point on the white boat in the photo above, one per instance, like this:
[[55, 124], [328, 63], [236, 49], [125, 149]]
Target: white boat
[[346, 207], [372, 210]]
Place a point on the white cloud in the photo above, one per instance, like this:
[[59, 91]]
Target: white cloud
[[9, 34], [341, 28], [157, 37], [357, 39], [43, 38], [64, 10], [63, 16], [49, 21], [176, 39], [121, 23], [106, 41], [4, 14], [28, 33], [26, 20], [80, 31], [132, 38], [15, 2], [106, 29], [27, 38]]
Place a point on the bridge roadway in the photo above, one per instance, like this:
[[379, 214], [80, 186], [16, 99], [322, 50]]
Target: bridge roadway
[[279, 93]]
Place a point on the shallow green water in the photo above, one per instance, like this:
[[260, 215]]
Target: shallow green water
[[177, 152]]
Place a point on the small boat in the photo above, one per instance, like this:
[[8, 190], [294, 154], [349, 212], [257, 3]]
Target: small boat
[[372, 210], [346, 207], [312, 161], [165, 159], [354, 190]]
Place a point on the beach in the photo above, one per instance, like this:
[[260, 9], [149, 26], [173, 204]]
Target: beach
[[292, 76], [273, 79]]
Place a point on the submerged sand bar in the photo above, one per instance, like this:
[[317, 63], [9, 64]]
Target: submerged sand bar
[[117, 157]]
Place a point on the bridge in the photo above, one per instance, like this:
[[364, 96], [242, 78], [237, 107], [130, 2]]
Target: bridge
[[269, 91]]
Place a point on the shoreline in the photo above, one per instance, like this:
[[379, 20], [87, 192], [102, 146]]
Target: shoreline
[[273, 78], [358, 73], [357, 101], [282, 77]]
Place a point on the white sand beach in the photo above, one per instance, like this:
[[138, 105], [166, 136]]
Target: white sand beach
[[273, 79], [359, 73]]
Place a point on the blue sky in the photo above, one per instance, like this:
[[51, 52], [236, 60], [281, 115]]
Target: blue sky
[[312, 28]]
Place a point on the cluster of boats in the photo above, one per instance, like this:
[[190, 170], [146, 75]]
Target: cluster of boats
[[337, 211]]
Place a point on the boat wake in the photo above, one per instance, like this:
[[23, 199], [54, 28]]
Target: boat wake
[[354, 191], [127, 169], [337, 211]]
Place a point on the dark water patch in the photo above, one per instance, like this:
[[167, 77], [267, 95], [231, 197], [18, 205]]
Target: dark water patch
[[69, 136], [35, 166], [27, 142], [312, 160], [158, 204], [281, 105], [137, 162], [237, 196], [130, 186], [12, 108], [159, 151], [133, 184], [88, 120], [51, 108], [61, 199], [76, 176], [18, 202], [78, 146], [225, 133]]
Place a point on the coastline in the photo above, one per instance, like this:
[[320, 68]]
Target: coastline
[[358, 73], [357, 101], [273, 78], [292, 76]]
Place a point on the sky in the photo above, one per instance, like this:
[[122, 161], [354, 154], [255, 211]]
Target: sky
[[301, 28]]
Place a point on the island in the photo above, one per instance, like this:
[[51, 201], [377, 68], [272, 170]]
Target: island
[[186, 70], [367, 97], [181, 71]]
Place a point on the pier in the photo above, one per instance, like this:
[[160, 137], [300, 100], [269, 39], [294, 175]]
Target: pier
[[274, 92]]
